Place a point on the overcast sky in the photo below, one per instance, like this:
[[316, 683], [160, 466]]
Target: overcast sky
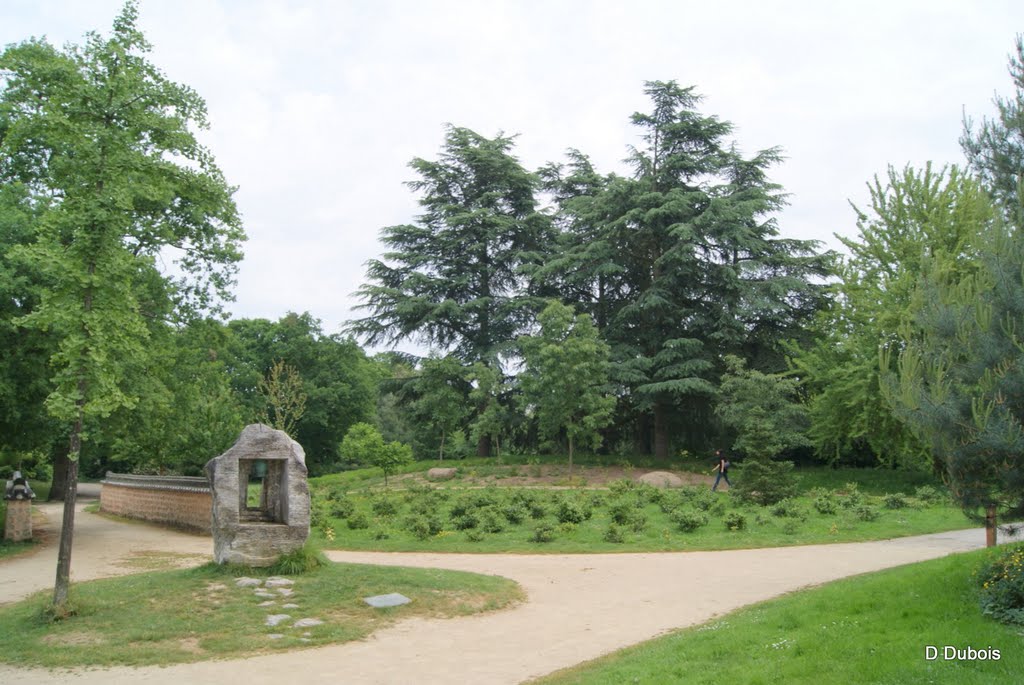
[[316, 108]]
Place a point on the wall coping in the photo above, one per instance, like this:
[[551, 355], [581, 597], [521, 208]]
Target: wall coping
[[176, 483]]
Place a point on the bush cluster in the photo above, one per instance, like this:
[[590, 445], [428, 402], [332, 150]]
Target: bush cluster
[[1001, 587]]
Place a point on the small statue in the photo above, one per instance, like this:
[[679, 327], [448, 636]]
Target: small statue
[[18, 488]]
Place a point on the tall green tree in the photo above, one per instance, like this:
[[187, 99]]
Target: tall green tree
[[105, 144], [960, 382], [699, 270], [338, 380], [442, 403], [960, 377], [763, 410], [915, 216], [995, 150], [566, 377], [460, 278]]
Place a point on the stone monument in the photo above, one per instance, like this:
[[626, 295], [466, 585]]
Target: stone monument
[[19, 496], [256, 530]]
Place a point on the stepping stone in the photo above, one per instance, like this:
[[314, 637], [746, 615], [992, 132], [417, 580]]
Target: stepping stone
[[285, 592], [392, 600], [275, 636], [274, 619], [248, 582], [290, 605], [264, 594], [307, 623], [276, 581], [268, 603]]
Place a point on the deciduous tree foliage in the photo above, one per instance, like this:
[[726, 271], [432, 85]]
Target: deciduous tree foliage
[[339, 382], [104, 144], [566, 377], [441, 403], [915, 216]]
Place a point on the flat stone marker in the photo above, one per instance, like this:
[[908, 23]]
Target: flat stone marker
[[381, 601]]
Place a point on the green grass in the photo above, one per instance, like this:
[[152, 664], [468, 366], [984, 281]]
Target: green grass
[[867, 629], [184, 616]]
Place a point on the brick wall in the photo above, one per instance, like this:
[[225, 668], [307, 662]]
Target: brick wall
[[182, 502]]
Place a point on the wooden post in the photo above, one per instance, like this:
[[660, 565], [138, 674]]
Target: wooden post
[[990, 526]]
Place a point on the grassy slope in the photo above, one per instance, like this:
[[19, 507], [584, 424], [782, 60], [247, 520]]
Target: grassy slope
[[660, 534], [183, 616], [867, 629]]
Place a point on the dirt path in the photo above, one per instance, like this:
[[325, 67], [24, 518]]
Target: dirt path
[[579, 607]]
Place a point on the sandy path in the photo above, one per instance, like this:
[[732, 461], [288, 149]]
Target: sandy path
[[578, 607]]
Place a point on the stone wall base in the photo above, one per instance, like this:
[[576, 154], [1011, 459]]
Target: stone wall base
[[183, 509], [19, 520]]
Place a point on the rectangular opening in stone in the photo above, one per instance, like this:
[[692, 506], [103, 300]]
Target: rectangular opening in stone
[[260, 491]]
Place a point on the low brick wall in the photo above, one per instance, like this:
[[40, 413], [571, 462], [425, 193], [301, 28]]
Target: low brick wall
[[180, 501]]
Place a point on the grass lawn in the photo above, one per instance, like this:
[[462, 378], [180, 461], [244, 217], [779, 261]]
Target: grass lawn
[[197, 614], [868, 629], [472, 514]]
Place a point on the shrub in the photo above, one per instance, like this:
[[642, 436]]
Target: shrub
[[423, 526], [545, 532], [384, 507], [614, 534], [895, 500], [341, 508], [622, 487], [358, 521], [734, 520], [929, 495], [791, 527], [538, 510], [1001, 586], [381, 534], [567, 528], [826, 504], [466, 521], [475, 535], [850, 497], [689, 520], [867, 513], [789, 508], [765, 482], [491, 521], [572, 511], [514, 512]]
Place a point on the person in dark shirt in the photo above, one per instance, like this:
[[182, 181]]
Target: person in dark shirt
[[722, 467]]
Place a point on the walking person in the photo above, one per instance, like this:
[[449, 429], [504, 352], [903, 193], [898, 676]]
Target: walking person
[[723, 470]]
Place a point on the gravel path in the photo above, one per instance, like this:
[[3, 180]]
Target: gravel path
[[578, 607]]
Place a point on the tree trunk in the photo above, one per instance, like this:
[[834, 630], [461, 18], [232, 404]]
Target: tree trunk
[[570, 456], [990, 527], [440, 456], [660, 433], [67, 530], [483, 446], [59, 482]]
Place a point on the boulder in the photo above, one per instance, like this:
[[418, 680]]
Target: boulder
[[661, 479], [441, 474]]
